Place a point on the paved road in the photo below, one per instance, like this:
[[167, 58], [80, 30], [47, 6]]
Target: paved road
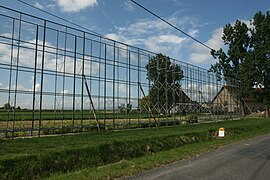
[[246, 160]]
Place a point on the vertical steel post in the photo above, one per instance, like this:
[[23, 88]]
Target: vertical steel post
[[74, 82], [10, 72], [82, 113], [129, 87], [138, 90], [149, 95], [159, 85], [126, 82], [42, 78], [105, 86], [118, 85], [217, 103], [90, 74], [166, 88], [34, 84], [174, 86], [17, 76], [63, 85], [55, 80], [114, 51], [99, 74]]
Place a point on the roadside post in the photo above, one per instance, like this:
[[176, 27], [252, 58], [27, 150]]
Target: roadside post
[[221, 132]]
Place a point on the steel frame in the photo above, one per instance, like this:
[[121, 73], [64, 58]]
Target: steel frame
[[49, 69]]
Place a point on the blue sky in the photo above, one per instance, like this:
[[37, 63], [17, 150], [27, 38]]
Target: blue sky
[[123, 21]]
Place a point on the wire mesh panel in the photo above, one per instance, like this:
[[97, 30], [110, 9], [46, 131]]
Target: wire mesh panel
[[56, 79]]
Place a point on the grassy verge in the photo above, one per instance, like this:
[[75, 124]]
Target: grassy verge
[[125, 167], [115, 154]]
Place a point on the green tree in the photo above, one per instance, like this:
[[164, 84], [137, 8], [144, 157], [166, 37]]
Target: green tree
[[128, 108], [143, 104], [165, 86], [236, 37], [121, 108], [247, 56], [260, 41], [7, 106]]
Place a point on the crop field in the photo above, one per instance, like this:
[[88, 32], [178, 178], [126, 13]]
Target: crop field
[[28, 123]]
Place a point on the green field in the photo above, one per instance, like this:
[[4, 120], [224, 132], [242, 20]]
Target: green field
[[49, 156], [25, 115], [28, 115], [22, 123]]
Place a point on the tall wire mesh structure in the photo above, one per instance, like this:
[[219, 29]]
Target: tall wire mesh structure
[[58, 79]]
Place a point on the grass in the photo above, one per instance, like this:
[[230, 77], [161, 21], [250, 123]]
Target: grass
[[74, 152], [32, 145], [57, 143], [125, 168]]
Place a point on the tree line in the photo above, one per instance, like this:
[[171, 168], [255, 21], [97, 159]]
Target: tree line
[[247, 56]]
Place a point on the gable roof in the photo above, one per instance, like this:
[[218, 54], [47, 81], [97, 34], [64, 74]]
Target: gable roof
[[229, 89], [184, 97]]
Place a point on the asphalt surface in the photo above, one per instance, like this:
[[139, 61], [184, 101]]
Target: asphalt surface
[[245, 160]]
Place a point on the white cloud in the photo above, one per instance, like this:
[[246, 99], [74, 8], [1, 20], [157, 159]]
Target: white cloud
[[27, 57], [123, 88], [122, 38], [149, 26], [200, 54], [170, 39], [153, 45], [216, 41], [144, 26], [7, 35], [37, 87], [170, 45], [75, 5], [64, 92], [113, 36], [200, 57], [128, 6], [18, 87], [164, 43], [193, 32], [38, 5], [157, 36], [51, 6], [200, 92]]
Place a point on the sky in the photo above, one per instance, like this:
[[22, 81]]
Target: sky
[[123, 21]]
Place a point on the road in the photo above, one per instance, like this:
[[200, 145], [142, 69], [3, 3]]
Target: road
[[245, 160]]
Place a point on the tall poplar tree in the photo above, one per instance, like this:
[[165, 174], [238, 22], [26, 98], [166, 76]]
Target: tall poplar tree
[[247, 56]]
